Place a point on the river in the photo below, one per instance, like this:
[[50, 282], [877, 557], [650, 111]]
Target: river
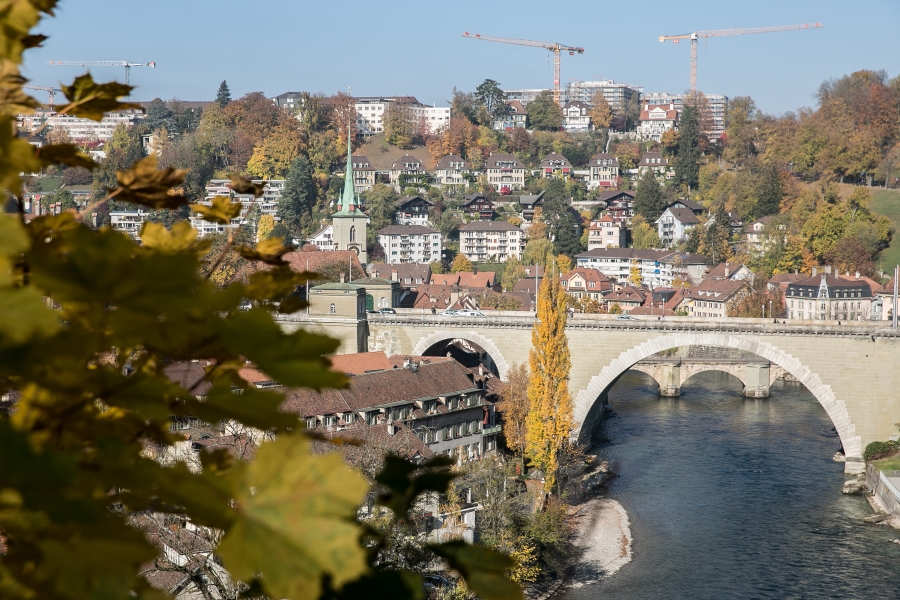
[[736, 498]]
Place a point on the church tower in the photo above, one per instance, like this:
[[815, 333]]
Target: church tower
[[349, 222]]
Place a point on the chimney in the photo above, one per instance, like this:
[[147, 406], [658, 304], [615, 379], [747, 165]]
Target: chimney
[[857, 274], [395, 276], [406, 362], [391, 429], [342, 277], [827, 269], [481, 369], [848, 274], [94, 219], [815, 271], [727, 271]]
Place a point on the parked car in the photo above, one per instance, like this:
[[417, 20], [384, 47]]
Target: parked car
[[471, 313], [625, 318], [450, 312], [245, 305], [387, 311]]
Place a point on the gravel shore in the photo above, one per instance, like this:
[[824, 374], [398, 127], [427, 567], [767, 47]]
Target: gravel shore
[[604, 540]]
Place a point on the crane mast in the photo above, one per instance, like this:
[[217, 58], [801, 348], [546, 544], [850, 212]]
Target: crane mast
[[51, 92], [696, 35], [554, 47]]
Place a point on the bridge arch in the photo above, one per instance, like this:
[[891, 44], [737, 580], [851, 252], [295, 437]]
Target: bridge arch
[[688, 370], [588, 400], [486, 344]]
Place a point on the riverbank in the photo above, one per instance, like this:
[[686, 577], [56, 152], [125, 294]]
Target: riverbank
[[604, 541]]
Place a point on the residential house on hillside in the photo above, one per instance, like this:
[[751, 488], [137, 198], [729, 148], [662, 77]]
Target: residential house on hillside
[[452, 170], [577, 116], [477, 206], [585, 283], [407, 170], [758, 234], [657, 163], [619, 205], [496, 241], [479, 280], [412, 210], [437, 400], [626, 297], [674, 224], [323, 239], [604, 171], [370, 112], [659, 268], [824, 296], [555, 165], [128, 221], [605, 232], [505, 172], [410, 275], [363, 174], [713, 298], [410, 244], [268, 204], [515, 118], [655, 120], [695, 207], [730, 270], [530, 202]]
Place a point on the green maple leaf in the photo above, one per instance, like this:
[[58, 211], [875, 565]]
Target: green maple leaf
[[295, 520]]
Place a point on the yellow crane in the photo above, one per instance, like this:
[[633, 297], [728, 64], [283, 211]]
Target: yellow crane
[[695, 36], [51, 91], [554, 47]]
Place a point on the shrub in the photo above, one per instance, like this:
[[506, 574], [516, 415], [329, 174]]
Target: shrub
[[876, 450]]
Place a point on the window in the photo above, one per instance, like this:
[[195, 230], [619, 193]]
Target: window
[[311, 423], [352, 233], [372, 417], [349, 417], [332, 309], [329, 420]]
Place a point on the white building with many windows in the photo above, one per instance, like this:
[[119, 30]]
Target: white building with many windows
[[370, 113], [494, 241], [505, 172], [268, 204], [81, 129], [659, 268], [410, 244], [603, 171]]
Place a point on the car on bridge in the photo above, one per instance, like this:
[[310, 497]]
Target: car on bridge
[[625, 318], [469, 313]]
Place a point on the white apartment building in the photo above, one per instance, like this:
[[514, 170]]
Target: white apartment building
[[494, 241], [659, 268], [452, 170], [410, 244], [80, 129], [617, 95], [363, 174], [718, 104], [370, 113], [674, 224], [268, 204], [606, 232], [128, 221], [523, 96], [504, 172]]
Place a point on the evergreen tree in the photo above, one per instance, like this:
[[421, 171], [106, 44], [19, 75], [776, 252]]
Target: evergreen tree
[[544, 113], [299, 196], [159, 115], [649, 200], [768, 191], [549, 421], [714, 241], [223, 96], [687, 162], [490, 101]]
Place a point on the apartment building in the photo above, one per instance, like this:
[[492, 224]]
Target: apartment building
[[603, 171], [82, 129], [585, 283], [323, 239], [363, 174], [524, 97], [713, 298], [577, 116], [655, 120], [505, 172], [606, 232], [494, 241], [659, 268], [452, 170], [656, 162], [128, 221], [824, 296], [407, 170], [619, 205], [674, 224], [370, 113], [268, 204], [617, 95], [410, 244]]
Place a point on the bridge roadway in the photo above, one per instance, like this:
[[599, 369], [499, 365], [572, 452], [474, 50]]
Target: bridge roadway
[[851, 369]]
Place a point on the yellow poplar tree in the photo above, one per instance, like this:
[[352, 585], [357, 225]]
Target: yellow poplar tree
[[549, 420]]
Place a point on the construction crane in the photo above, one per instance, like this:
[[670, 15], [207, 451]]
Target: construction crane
[[104, 63], [725, 33], [51, 91], [554, 47]]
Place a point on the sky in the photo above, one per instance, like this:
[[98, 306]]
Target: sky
[[403, 47]]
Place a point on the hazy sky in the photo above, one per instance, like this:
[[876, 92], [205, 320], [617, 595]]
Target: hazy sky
[[394, 47]]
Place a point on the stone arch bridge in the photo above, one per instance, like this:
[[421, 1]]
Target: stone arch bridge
[[851, 369]]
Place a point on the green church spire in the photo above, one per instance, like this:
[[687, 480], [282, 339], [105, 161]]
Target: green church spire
[[348, 203]]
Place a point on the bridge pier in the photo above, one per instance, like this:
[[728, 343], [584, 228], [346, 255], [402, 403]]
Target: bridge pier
[[669, 380], [756, 380]]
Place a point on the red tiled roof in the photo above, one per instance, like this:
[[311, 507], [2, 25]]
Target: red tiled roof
[[360, 362]]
